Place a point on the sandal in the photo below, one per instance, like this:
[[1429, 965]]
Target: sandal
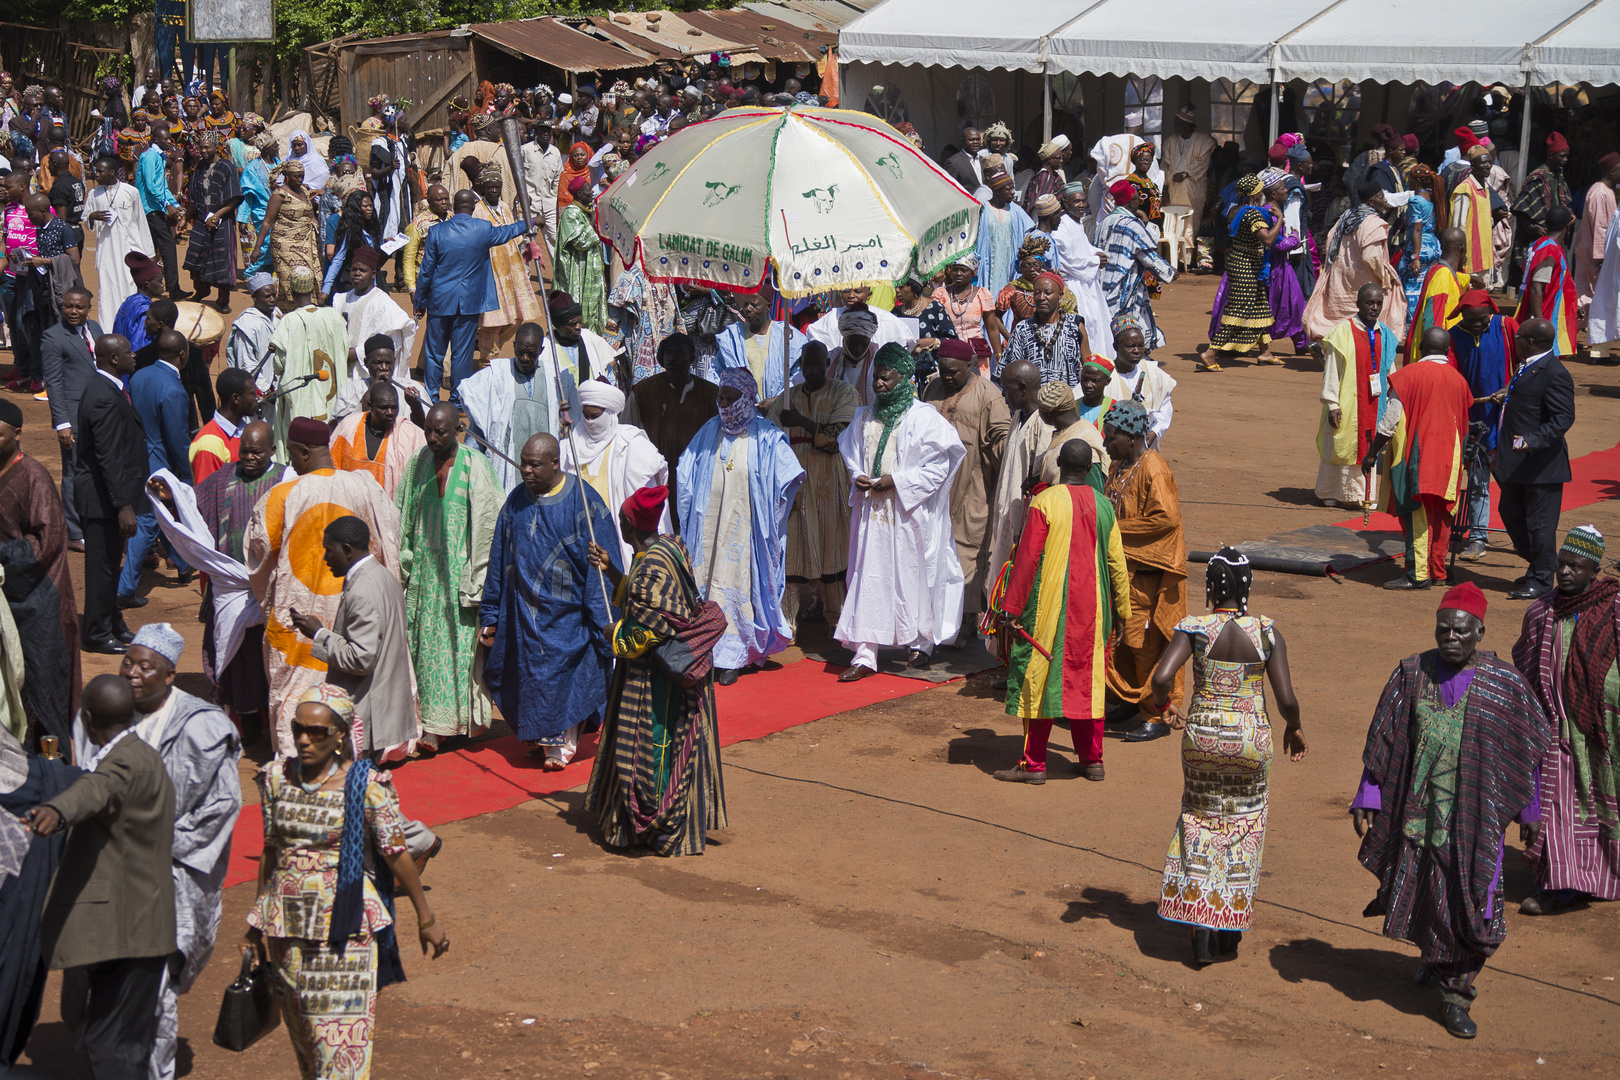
[[1211, 366], [1271, 361]]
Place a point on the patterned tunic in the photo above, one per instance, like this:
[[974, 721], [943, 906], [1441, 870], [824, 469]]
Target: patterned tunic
[[1213, 866], [1243, 305]]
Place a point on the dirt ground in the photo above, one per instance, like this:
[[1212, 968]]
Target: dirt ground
[[880, 907]]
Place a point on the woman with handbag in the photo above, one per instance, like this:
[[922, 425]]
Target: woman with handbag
[[656, 781], [320, 919]]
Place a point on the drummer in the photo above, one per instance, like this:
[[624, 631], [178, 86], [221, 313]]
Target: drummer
[[202, 326]]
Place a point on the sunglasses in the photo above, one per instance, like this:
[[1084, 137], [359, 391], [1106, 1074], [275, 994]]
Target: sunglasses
[[316, 732]]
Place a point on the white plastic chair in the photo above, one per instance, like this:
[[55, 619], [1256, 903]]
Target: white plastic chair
[[1175, 219]]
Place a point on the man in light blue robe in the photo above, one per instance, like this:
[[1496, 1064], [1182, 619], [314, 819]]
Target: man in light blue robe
[[544, 607], [1002, 228], [755, 345], [735, 485]]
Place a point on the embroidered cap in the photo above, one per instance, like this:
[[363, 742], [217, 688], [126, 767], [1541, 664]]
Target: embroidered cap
[[1585, 541]]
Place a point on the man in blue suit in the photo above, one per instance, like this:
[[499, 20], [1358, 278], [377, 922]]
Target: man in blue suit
[[161, 401], [455, 286]]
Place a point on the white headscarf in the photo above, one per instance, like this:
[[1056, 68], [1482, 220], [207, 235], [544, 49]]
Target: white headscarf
[[593, 436], [315, 170]]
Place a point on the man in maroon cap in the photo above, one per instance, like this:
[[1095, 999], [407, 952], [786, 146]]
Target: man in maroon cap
[[130, 318], [1544, 189], [1450, 761]]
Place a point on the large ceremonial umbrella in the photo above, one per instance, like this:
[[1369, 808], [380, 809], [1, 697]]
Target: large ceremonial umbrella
[[830, 198]]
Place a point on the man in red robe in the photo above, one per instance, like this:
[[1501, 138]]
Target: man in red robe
[[1427, 418]]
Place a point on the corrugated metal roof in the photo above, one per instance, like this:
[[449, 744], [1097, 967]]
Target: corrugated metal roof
[[782, 41], [562, 46], [663, 30], [828, 15]]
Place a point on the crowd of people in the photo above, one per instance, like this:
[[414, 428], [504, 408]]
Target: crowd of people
[[550, 485]]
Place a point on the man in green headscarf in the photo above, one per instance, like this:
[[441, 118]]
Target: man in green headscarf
[[904, 585]]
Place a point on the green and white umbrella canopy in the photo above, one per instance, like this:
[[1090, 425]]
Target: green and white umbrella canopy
[[832, 198]]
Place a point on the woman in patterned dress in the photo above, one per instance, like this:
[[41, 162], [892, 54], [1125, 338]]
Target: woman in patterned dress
[[322, 921], [1242, 314], [972, 310], [1424, 223], [289, 221], [1213, 866], [913, 301]]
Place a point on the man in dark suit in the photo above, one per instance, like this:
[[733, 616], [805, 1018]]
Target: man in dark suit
[[110, 910], [68, 351], [164, 315], [455, 286], [110, 486], [965, 166], [161, 401], [1532, 458]]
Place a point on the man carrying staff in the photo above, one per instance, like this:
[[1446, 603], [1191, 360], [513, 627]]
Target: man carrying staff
[[1069, 584], [1450, 760], [1567, 653], [1358, 357], [543, 608]]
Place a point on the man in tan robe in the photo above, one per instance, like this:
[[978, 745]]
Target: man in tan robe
[[518, 303], [284, 556], [976, 410], [1185, 157], [814, 413], [1061, 414]]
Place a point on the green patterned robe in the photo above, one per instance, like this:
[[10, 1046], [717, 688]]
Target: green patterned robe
[[579, 265], [443, 551]]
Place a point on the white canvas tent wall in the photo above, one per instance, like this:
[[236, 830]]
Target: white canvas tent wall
[[1262, 41]]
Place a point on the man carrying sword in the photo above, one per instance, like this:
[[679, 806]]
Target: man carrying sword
[[1067, 590]]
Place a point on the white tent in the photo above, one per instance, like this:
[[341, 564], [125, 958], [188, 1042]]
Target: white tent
[[1402, 41]]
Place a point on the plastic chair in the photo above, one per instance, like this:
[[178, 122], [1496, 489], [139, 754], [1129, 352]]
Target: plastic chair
[[1175, 218]]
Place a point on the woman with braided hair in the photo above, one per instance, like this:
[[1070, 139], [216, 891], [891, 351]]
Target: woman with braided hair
[[1213, 866]]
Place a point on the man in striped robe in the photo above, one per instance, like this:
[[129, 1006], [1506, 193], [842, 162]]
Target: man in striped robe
[[1450, 761], [1567, 654], [1068, 585]]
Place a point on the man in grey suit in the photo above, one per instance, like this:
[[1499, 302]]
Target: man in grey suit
[[68, 351], [367, 652], [110, 909]]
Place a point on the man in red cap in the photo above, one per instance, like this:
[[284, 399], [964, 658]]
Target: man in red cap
[[1594, 227], [1134, 268], [1451, 759], [1483, 350], [1544, 189], [1473, 211], [637, 802]]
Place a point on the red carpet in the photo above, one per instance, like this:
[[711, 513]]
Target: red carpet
[[1595, 477], [497, 776]]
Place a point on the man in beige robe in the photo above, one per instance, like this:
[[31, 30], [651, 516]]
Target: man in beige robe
[[286, 564], [1185, 156], [1061, 413], [513, 285], [976, 410], [1357, 254], [1029, 437], [814, 413]]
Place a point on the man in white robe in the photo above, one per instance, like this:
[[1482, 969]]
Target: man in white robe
[[514, 399], [113, 212], [904, 582], [1186, 153], [379, 363], [1079, 263], [542, 170], [248, 345], [1603, 317], [1137, 376], [369, 311], [615, 459], [890, 327], [1113, 157], [736, 483]]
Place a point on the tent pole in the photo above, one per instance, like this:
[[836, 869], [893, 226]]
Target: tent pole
[[1524, 138], [1276, 107], [1046, 107]]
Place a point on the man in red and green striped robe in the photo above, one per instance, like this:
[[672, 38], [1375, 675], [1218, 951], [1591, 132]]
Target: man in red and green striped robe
[[1067, 587]]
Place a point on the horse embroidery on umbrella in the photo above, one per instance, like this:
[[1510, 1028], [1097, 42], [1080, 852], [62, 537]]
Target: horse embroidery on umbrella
[[823, 198], [891, 161], [719, 192]]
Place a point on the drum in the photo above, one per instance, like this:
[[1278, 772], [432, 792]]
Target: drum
[[202, 324]]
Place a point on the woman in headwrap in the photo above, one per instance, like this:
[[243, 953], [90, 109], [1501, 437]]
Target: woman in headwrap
[[132, 142], [577, 165], [1290, 260], [1142, 169], [220, 119], [289, 223], [1241, 318], [579, 255], [912, 301], [972, 310], [301, 150], [1052, 338], [334, 847], [1017, 301], [212, 198], [255, 181]]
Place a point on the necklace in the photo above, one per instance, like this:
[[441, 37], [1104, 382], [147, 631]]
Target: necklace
[[331, 770], [959, 310]]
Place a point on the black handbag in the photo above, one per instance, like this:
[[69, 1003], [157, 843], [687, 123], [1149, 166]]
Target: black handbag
[[249, 1011]]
